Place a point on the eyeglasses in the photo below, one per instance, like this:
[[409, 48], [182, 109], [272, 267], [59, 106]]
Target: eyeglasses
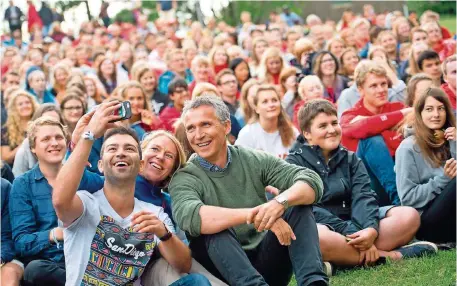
[[73, 108], [229, 82]]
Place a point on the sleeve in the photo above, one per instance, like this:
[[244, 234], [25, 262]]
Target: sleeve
[[369, 126], [186, 203], [411, 191], [4, 137], [21, 165], [364, 200], [7, 240], [344, 103], [91, 182], [282, 175], [91, 212], [397, 92], [28, 240]]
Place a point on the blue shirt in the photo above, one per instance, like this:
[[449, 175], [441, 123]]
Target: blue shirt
[[168, 76], [33, 216], [214, 168], [8, 252]]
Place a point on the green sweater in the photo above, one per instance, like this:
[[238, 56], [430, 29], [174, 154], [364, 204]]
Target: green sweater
[[241, 185]]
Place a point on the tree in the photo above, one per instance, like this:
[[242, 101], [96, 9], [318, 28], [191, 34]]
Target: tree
[[65, 5]]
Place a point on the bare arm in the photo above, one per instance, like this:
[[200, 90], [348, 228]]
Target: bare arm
[[8, 154], [176, 253], [67, 204]]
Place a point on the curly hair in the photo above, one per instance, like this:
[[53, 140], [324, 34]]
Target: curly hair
[[16, 131]]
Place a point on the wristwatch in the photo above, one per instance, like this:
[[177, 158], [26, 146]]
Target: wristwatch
[[88, 135], [282, 199], [167, 236]]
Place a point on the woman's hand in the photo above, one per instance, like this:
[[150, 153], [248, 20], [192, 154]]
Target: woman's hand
[[450, 168], [450, 134]]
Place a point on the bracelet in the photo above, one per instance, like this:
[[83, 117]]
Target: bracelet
[[55, 239], [167, 236]]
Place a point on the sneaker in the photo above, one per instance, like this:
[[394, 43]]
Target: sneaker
[[446, 246], [418, 249], [329, 268]]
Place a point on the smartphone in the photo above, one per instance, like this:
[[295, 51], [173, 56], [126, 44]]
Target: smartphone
[[125, 111]]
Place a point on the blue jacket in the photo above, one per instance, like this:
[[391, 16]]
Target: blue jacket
[[168, 76], [8, 252], [33, 215]]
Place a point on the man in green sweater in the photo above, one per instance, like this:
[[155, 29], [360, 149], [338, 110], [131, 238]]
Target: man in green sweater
[[219, 200]]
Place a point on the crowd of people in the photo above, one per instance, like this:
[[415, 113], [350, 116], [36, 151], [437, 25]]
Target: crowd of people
[[250, 154]]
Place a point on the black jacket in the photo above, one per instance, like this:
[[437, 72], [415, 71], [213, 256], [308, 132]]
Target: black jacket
[[347, 191]]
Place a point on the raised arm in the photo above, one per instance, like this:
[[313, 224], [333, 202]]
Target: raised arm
[[67, 204]]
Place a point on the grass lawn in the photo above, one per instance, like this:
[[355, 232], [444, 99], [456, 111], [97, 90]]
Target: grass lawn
[[448, 21], [439, 270]]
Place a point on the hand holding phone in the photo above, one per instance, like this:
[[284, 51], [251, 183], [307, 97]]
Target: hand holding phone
[[125, 111]]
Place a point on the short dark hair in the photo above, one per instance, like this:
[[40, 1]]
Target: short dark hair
[[312, 109], [121, 131], [221, 73], [426, 55], [176, 83]]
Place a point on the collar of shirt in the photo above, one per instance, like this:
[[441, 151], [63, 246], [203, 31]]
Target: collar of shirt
[[214, 168]]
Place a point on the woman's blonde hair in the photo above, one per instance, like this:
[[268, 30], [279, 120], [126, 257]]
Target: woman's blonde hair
[[264, 75], [248, 112], [303, 45], [308, 79], [54, 69], [213, 51], [285, 128], [204, 88], [182, 159], [13, 123], [285, 74], [134, 84], [254, 44]]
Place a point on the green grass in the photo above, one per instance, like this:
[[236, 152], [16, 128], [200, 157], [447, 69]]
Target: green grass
[[438, 270], [448, 21]]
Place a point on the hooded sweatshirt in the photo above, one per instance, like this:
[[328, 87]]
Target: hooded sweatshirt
[[418, 183], [47, 95]]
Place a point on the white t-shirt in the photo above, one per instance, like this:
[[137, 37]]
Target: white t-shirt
[[253, 136], [102, 249]]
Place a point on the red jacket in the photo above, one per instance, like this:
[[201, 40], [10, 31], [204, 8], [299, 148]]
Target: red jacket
[[33, 18], [450, 93], [168, 116], [445, 48], [374, 125]]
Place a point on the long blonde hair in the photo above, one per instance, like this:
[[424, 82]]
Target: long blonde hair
[[13, 124], [263, 74]]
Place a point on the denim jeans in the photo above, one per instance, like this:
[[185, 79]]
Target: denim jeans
[[375, 155], [193, 279], [438, 219], [269, 263], [44, 272]]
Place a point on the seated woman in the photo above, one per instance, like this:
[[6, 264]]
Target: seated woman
[[353, 229], [288, 90], [417, 85], [58, 78], [240, 68], [271, 66], [325, 66], [73, 108], [36, 234], [245, 113], [35, 83], [426, 167], [25, 159], [409, 68], [272, 132], [21, 108], [349, 60]]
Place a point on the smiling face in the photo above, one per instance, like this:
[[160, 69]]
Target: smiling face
[[374, 91], [260, 48], [61, 76], [434, 33], [120, 158], [350, 60], [73, 110], [37, 81], [274, 65], [90, 87], [311, 90], [179, 97], [337, 48], [148, 81], [160, 157], [220, 58], [268, 105], [137, 101], [328, 65], [419, 37], [242, 72], [205, 133], [50, 144], [107, 67], [324, 132], [24, 106], [389, 43], [433, 114], [202, 72]]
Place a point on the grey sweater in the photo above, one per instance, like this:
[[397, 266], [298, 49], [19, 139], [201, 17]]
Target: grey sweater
[[350, 96], [418, 182]]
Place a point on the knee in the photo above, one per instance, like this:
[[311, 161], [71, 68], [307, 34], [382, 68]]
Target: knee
[[12, 273], [326, 239], [34, 271], [367, 143], [408, 217]]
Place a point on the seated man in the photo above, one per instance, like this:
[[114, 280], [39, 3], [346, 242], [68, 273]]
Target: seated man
[[227, 85], [368, 129], [353, 229], [12, 269], [111, 225], [176, 64], [178, 91], [219, 200]]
